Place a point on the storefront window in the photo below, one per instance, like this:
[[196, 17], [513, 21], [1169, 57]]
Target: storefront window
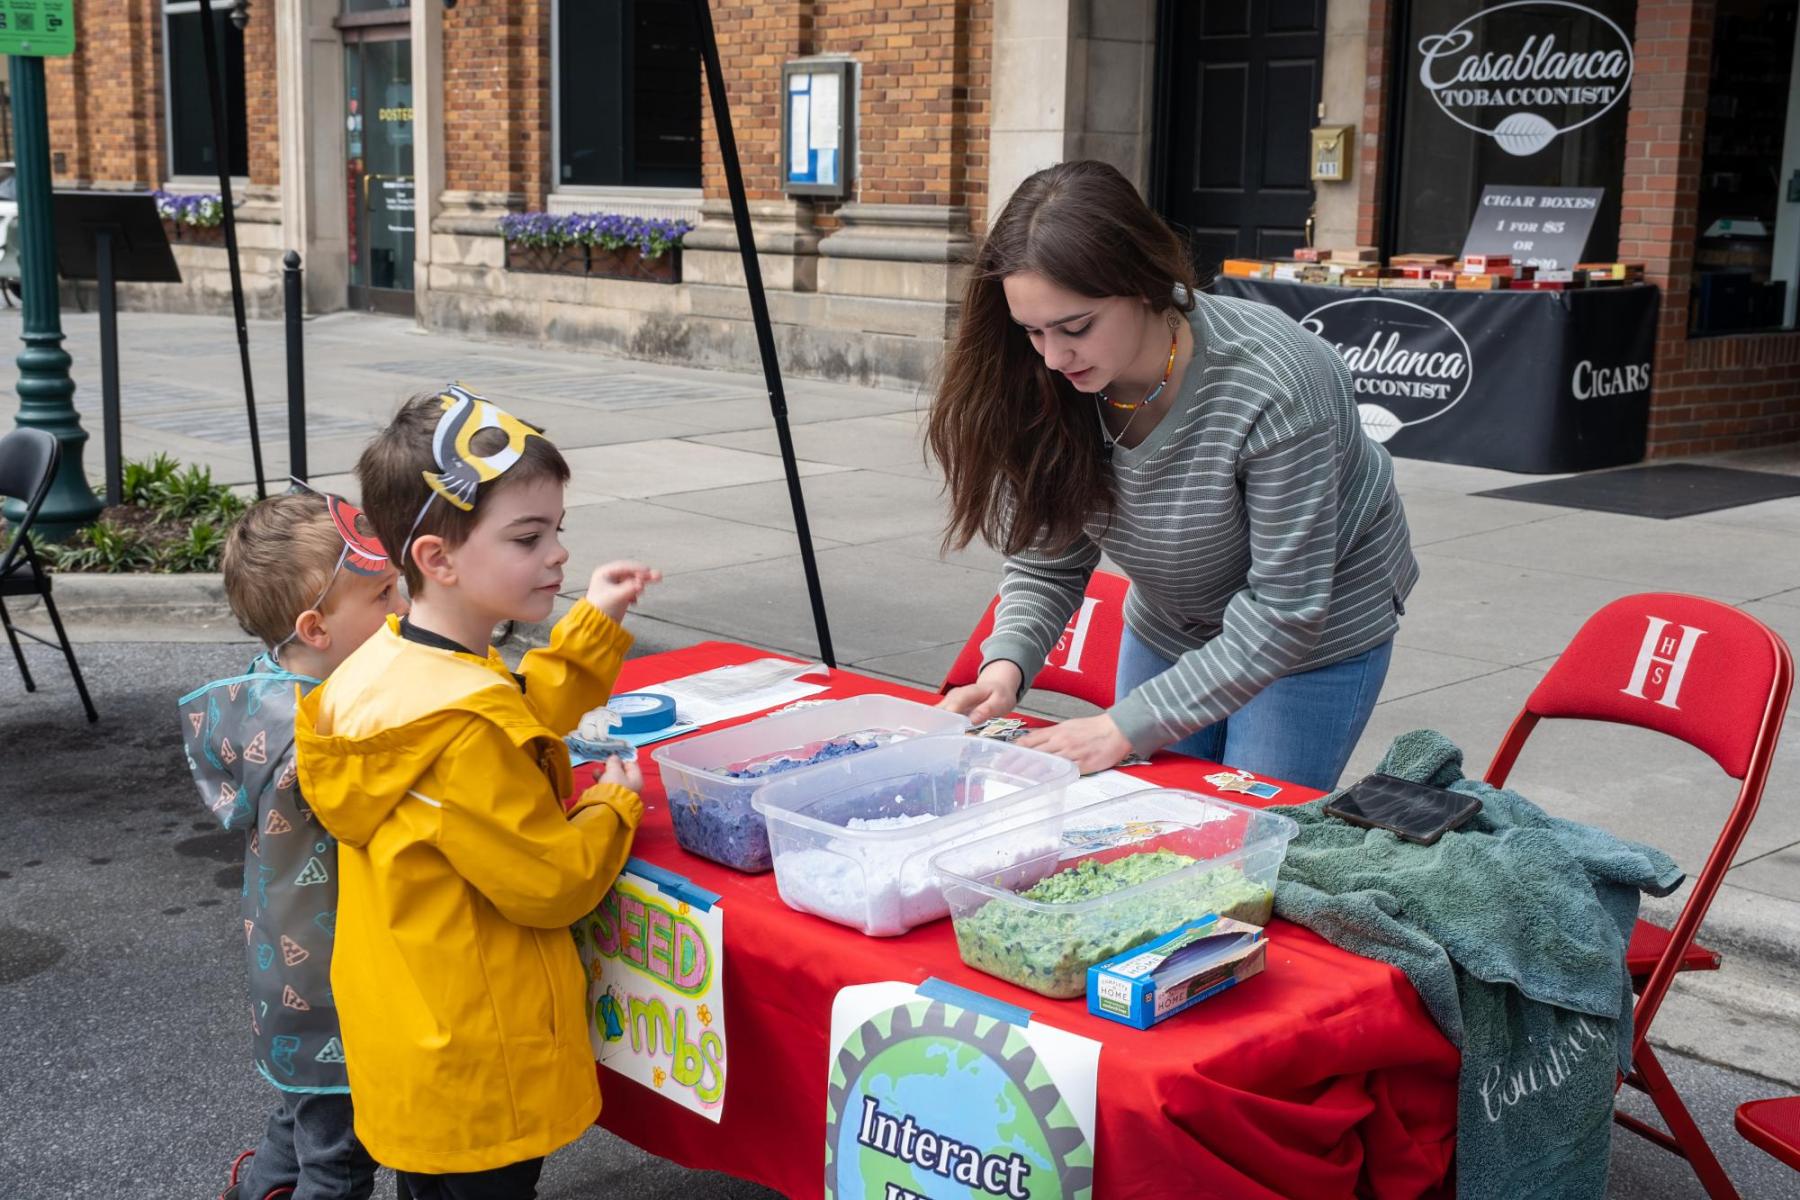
[[1522, 92], [628, 103], [184, 75], [1747, 253]]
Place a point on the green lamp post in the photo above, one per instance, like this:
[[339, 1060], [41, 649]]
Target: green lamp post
[[46, 393]]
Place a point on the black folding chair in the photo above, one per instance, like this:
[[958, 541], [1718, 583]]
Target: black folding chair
[[28, 461]]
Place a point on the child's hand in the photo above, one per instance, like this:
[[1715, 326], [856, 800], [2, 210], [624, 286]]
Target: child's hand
[[616, 586], [625, 774]]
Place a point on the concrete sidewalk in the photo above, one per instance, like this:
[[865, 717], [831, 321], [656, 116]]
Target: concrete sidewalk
[[679, 467]]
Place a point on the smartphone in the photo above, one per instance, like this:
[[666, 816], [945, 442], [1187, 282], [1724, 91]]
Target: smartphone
[[1417, 812]]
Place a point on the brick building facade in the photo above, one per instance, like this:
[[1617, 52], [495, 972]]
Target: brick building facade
[[1713, 392], [492, 104]]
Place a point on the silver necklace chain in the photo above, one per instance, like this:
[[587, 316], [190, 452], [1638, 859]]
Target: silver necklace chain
[[1107, 440]]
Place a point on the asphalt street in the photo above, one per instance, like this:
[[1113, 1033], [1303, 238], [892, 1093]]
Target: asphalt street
[[124, 1052]]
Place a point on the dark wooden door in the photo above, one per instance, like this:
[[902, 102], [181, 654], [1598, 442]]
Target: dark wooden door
[[1239, 95]]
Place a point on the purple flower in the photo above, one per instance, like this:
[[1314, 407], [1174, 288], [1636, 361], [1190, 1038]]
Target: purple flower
[[653, 236], [203, 211]]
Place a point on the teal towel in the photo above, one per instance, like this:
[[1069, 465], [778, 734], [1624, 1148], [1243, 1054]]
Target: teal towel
[[1513, 929]]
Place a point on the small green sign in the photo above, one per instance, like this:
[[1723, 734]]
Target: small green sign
[[37, 28]]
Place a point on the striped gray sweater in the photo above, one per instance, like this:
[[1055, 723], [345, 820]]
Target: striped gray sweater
[[1259, 527]]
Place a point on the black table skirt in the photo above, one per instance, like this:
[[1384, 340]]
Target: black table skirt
[[1524, 381]]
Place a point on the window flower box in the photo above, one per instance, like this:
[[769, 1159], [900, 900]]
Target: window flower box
[[195, 220], [596, 245]]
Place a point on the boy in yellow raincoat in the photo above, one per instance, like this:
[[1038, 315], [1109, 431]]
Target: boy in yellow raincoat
[[441, 774]]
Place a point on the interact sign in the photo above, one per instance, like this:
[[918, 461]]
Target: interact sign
[[655, 957], [941, 1093], [1526, 72]]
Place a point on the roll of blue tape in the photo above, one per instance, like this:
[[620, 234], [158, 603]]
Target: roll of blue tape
[[642, 712]]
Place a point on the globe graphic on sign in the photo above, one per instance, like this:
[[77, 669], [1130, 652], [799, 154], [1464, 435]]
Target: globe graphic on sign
[[1524, 133], [960, 1075], [950, 1082], [1378, 422]]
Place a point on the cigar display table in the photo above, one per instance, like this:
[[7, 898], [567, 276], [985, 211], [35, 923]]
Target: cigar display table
[[1538, 382]]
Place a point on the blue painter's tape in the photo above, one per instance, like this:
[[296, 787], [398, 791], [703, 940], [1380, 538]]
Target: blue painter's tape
[[642, 712], [939, 989], [671, 884]]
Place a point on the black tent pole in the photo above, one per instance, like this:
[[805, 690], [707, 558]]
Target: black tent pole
[[759, 312], [215, 89]]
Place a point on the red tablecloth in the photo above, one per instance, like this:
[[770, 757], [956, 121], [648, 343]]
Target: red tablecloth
[[1322, 1077]]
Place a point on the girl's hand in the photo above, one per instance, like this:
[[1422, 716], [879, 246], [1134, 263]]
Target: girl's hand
[[1091, 743], [994, 693], [625, 774], [616, 586]]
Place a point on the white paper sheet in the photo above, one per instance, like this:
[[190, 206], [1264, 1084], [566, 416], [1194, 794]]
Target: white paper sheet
[[799, 133], [825, 111], [724, 693], [1103, 785]]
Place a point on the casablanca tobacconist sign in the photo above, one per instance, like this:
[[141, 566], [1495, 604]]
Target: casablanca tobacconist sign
[[1527, 91], [1511, 141], [1518, 94]]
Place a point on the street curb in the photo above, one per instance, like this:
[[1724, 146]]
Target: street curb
[[1740, 922], [186, 604]]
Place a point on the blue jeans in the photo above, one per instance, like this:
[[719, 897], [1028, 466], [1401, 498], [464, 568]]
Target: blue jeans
[[1300, 728], [310, 1146]]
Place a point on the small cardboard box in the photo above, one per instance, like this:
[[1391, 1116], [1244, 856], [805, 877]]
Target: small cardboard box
[[1176, 971], [1293, 271], [1422, 260], [1619, 271], [1484, 264], [1246, 268]]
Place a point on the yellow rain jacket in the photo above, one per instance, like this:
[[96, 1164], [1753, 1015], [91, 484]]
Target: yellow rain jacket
[[460, 992]]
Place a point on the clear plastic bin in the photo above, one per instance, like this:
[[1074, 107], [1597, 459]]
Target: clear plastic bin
[[1047, 942], [711, 810], [853, 839]]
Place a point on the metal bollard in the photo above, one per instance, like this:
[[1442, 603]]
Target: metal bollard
[[293, 305]]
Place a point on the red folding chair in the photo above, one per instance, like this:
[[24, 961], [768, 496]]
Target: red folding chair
[[1773, 1126], [1085, 661], [1717, 679]]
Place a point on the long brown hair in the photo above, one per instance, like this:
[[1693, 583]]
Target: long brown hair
[[1018, 444]]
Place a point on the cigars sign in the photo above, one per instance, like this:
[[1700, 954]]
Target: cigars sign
[[1526, 72]]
